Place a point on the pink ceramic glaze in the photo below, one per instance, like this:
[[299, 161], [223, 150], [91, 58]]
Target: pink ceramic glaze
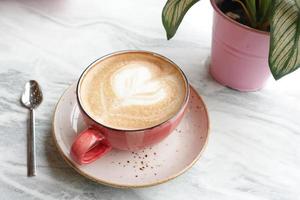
[[145, 167], [239, 57], [98, 139]]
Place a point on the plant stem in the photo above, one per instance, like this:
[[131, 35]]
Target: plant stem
[[248, 15]]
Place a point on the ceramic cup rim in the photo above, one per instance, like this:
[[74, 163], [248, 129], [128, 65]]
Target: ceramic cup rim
[[183, 106]]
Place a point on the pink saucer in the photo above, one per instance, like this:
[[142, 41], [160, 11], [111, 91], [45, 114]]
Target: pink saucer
[[147, 167]]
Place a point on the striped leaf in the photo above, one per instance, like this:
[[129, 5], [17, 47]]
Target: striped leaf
[[284, 56], [173, 14]]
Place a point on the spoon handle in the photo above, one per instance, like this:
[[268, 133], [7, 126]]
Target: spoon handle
[[31, 162]]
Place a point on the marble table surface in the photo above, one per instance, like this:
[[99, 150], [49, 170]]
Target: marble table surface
[[254, 147]]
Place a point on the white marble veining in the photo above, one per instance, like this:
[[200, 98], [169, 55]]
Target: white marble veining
[[253, 151]]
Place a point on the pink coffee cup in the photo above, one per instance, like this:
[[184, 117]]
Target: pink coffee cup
[[98, 139]]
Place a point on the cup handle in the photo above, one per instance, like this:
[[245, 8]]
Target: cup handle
[[88, 146]]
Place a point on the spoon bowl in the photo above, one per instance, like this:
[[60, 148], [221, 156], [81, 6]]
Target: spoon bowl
[[32, 96]]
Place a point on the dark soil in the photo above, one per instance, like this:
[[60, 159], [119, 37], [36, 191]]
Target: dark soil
[[234, 11]]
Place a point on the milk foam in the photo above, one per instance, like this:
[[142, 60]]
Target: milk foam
[[132, 92], [133, 84]]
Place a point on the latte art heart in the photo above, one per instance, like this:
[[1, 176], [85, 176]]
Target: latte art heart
[[134, 84], [132, 92]]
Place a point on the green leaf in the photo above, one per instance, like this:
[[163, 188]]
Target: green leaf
[[264, 11], [173, 14], [251, 5], [284, 56]]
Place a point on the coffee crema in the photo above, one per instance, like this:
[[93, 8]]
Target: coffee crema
[[132, 91]]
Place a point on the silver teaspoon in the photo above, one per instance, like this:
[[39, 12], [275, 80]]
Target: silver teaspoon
[[31, 99]]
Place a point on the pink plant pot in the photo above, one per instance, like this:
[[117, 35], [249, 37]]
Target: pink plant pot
[[239, 57]]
